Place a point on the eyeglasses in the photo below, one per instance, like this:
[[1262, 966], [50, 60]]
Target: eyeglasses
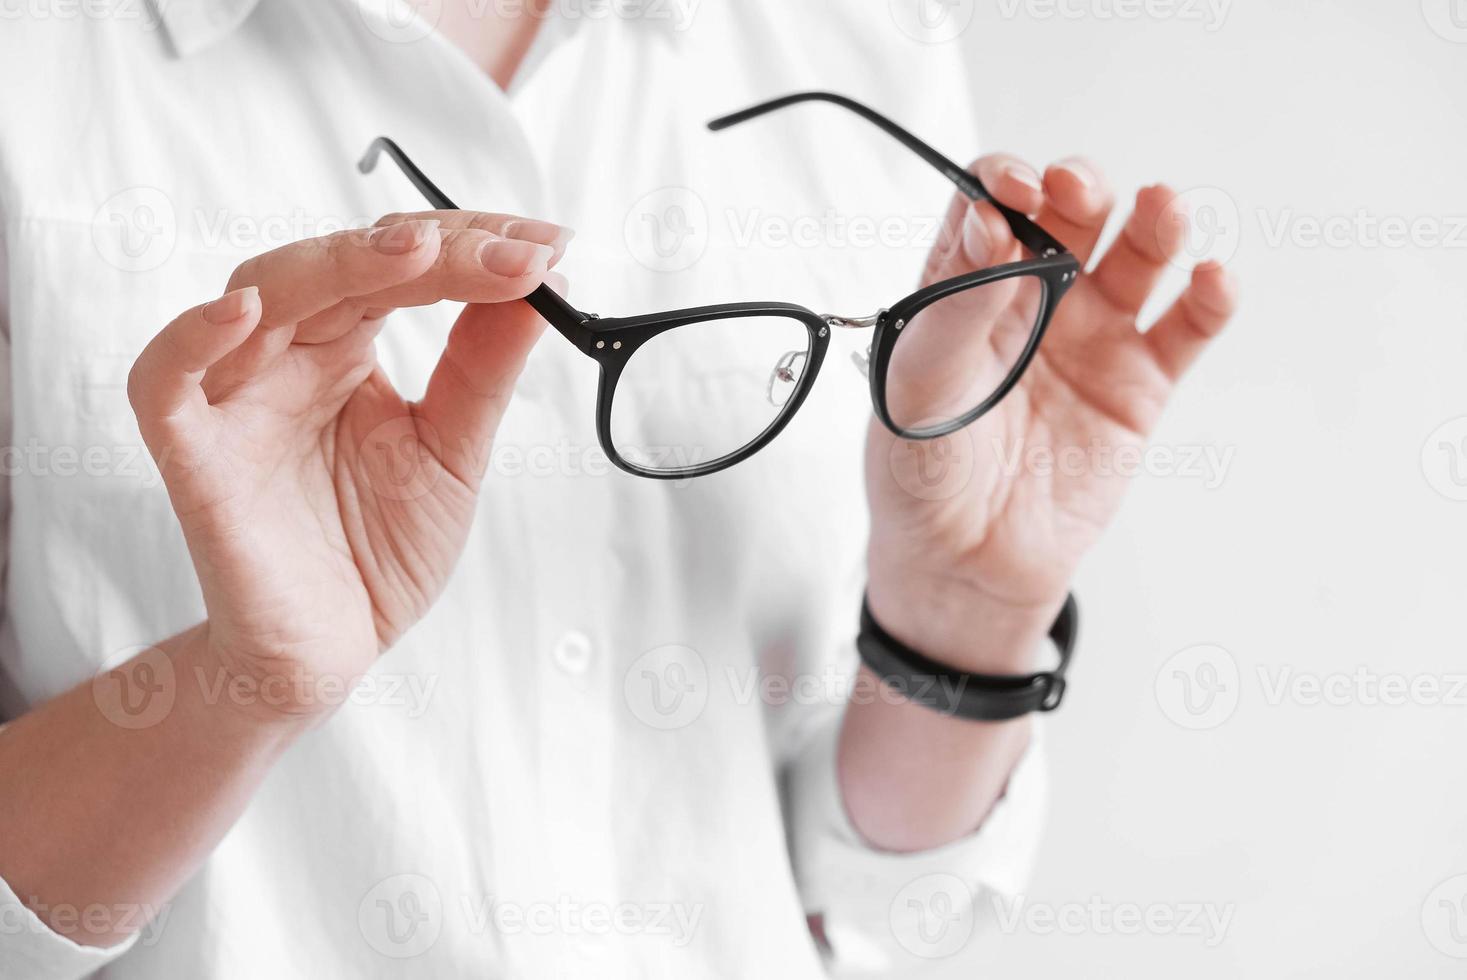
[[690, 392]]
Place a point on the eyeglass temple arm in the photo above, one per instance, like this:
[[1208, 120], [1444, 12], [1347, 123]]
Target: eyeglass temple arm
[[570, 321], [1035, 238]]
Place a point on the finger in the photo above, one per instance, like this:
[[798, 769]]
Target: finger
[[1198, 315], [163, 385], [1152, 236], [974, 234], [306, 277], [475, 378], [503, 225], [1011, 181], [472, 266], [514, 268], [467, 266], [412, 263], [1077, 202]]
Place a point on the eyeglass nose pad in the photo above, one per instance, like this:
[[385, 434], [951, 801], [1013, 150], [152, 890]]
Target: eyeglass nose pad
[[785, 377], [862, 361]]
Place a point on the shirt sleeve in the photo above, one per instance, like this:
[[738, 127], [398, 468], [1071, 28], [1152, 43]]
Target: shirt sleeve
[[32, 949], [884, 914]]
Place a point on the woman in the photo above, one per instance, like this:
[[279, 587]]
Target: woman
[[570, 758]]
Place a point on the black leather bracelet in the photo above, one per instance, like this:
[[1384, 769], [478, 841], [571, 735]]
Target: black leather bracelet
[[979, 697]]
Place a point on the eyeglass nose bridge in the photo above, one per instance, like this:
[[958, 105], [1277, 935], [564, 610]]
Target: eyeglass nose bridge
[[861, 360], [853, 322]]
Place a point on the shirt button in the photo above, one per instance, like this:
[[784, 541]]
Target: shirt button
[[573, 653]]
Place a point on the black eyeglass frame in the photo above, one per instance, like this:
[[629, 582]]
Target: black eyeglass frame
[[611, 341]]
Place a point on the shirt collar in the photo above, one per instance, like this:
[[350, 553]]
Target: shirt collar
[[193, 25]]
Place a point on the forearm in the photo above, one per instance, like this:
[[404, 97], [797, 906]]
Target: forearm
[[913, 778], [98, 815]]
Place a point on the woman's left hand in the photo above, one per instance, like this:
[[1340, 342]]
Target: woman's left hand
[[972, 548]]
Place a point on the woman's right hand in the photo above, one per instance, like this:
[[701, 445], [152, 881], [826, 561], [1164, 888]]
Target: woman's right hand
[[324, 512]]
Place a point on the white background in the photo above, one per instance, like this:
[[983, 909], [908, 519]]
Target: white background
[[1331, 543]]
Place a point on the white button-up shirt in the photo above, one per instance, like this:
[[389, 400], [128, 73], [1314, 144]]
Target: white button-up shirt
[[608, 749]]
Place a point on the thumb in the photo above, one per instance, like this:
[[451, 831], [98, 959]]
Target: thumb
[[475, 378], [974, 234]]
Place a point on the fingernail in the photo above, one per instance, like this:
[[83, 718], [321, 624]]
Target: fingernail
[[511, 258], [541, 232], [1080, 171], [231, 306], [403, 238], [1024, 176]]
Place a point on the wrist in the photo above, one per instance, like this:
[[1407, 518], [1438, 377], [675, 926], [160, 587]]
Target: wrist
[[249, 694], [961, 626]]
